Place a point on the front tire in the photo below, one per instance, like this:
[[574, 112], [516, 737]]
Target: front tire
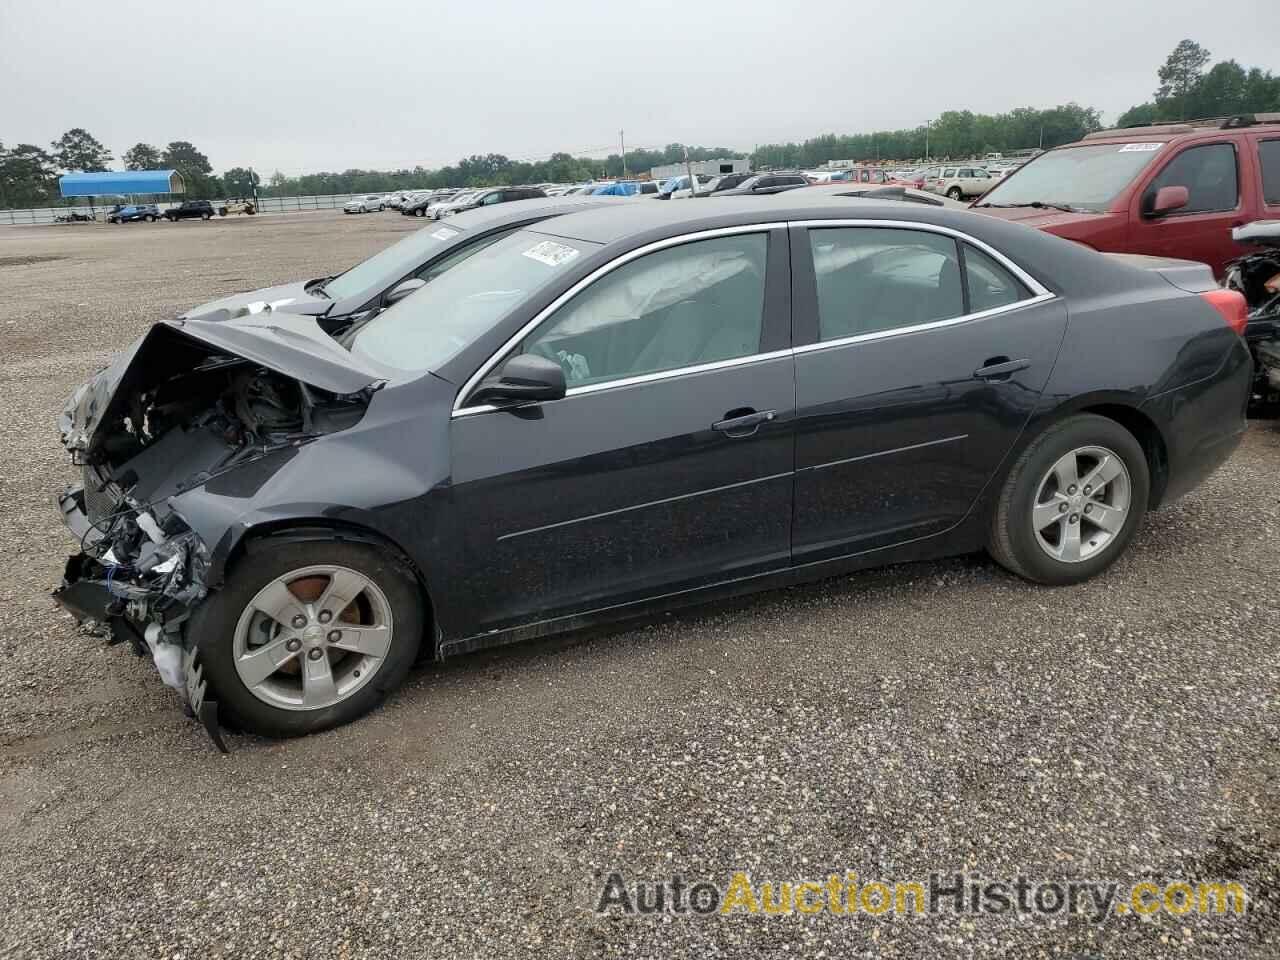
[[1072, 502], [308, 636]]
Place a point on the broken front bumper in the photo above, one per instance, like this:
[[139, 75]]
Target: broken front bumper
[[143, 598]]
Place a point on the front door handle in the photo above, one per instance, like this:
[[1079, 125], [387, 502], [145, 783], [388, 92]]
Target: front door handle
[[1000, 368], [744, 422]]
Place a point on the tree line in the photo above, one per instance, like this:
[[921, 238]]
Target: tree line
[[1188, 91], [1188, 88]]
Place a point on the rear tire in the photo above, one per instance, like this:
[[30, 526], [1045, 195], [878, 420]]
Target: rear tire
[[955, 193], [227, 625], [1045, 527]]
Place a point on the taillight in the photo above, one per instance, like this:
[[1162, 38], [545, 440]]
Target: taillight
[[1231, 305]]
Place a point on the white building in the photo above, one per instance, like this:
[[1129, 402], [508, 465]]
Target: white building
[[713, 167]]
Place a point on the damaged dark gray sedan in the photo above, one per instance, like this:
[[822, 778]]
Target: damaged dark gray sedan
[[618, 411]]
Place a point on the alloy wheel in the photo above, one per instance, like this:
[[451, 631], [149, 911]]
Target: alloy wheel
[[311, 638], [1081, 504]]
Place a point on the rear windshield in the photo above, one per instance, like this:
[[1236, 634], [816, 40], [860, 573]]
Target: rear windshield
[[391, 264], [428, 328], [1085, 178]]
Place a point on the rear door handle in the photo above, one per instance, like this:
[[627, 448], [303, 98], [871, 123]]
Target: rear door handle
[[743, 423], [1000, 368]]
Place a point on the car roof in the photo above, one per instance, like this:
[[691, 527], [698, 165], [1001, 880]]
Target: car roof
[[1060, 265]]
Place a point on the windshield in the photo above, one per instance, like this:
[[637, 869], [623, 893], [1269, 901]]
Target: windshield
[[428, 328], [391, 264], [1085, 178]]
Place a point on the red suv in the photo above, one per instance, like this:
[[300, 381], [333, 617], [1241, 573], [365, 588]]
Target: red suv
[[1167, 191]]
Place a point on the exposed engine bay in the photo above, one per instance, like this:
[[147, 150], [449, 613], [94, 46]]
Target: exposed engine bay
[[169, 415]]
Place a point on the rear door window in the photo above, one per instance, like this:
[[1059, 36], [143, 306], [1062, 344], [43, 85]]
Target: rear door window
[[1269, 161], [1209, 174], [872, 280]]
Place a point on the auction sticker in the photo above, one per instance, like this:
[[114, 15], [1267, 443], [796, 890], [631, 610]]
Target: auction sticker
[[1140, 147], [444, 233], [551, 253]]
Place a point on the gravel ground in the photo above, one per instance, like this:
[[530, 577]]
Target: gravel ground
[[937, 717]]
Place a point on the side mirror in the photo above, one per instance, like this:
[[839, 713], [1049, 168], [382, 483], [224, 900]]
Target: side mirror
[[525, 378], [403, 289], [1169, 199]]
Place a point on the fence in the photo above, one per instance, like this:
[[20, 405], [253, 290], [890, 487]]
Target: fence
[[39, 215]]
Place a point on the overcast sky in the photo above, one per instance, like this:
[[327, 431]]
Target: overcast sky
[[323, 85]]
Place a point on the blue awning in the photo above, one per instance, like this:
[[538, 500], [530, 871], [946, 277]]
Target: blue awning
[[121, 182]]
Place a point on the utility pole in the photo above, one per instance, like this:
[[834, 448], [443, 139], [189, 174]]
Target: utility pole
[[693, 181], [623, 143], [926, 140]]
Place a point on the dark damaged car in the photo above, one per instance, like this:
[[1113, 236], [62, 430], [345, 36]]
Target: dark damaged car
[[624, 410]]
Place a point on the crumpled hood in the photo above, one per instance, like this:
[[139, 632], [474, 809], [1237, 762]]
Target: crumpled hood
[[286, 298], [286, 343]]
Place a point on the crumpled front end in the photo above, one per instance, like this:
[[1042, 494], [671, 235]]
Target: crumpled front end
[[171, 414]]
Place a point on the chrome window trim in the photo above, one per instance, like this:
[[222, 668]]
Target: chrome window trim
[[558, 302], [1037, 289], [921, 327], [1040, 294]]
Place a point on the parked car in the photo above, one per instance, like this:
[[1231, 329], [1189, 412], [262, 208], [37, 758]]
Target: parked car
[[190, 210], [435, 209], [918, 178], [238, 205], [961, 183], [373, 284], [364, 204], [490, 196], [1174, 190], [133, 212], [763, 184], [622, 410], [678, 187]]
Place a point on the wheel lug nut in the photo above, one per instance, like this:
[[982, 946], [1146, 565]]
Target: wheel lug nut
[[1088, 490], [335, 636], [325, 616], [1074, 518], [1088, 508], [1062, 508], [1071, 489], [299, 621], [315, 653], [293, 645]]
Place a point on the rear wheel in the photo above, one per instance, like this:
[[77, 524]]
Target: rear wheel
[[307, 636], [150, 219], [1072, 501], [955, 193], [205, 216], [420, 212]]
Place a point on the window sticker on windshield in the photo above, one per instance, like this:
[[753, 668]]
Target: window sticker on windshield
[[551, 253], [444, 233], [1140, 147]]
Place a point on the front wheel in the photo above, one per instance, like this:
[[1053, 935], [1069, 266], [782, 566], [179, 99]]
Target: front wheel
[[955, 193], [308, 636], [150, 218], [1072, 501]]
